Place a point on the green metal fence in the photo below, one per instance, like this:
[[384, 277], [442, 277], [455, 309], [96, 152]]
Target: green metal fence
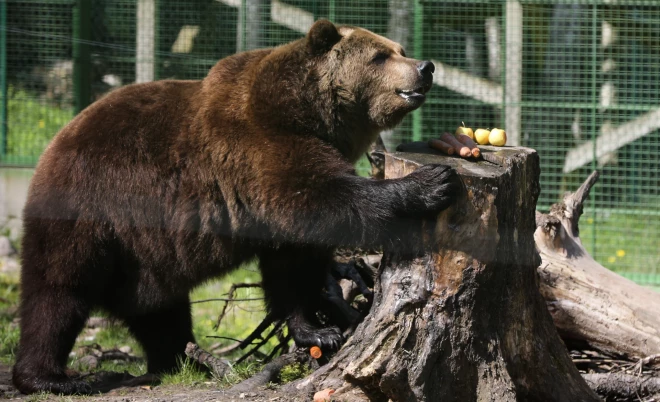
[[577, 80]]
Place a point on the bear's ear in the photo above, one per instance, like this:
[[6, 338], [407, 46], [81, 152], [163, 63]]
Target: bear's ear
[[322, 36]]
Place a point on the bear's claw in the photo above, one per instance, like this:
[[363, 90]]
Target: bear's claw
[[306, 335]]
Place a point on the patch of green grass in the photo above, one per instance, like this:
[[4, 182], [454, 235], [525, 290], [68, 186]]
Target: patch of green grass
[[8, 341], [31, 124], [133, 368], [241, 317], [187, 374], [41, 396], [294, 372], [115, 336], [625, 242], [240, 320], [8, 309], [239, 372]]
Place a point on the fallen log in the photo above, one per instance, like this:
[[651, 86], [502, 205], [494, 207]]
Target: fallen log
[[464, 319], [587, 301], [623, 387]]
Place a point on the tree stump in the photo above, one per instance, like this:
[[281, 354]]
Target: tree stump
[[463, 321]]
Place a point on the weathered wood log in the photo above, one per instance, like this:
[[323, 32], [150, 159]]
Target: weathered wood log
[[587, 301], [464, 320], [626, 387]]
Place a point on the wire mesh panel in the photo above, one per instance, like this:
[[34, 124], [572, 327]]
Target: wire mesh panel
[[576, 80], [37, 91]]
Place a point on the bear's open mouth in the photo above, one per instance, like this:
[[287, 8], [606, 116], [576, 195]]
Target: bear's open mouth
[[416, 94]]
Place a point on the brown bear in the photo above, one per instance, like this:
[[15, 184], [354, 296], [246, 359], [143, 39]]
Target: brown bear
[[159, 187]]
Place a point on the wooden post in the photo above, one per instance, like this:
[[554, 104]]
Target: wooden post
[[514, 65], [82, 59], [145, 41]]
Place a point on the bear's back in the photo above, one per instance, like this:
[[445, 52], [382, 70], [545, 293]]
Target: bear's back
[[117, 160]]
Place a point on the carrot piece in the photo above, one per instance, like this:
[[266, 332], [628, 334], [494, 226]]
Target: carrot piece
[[441, 146], [451, 140], [315, 352], [471, 144]]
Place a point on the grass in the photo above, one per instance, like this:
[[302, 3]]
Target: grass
[[625, 242], [294, 372], [31, 125], [8, 307], [241, 317], [41, 396], [187, 374], [239, 372]]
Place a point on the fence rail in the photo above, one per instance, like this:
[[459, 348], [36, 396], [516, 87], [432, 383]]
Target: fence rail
[[577, 80]]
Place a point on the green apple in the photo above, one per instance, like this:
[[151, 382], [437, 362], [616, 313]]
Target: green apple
[[465, 131], [481, 136], [497, 137]]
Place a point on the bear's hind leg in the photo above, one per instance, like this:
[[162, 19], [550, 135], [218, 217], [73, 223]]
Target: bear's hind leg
[[293, 279], [51, 319], [163, 335]]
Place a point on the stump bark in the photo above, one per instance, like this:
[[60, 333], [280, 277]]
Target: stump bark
[[463, 321]]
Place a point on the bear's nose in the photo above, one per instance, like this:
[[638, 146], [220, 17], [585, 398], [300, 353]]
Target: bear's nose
[[426, 67]]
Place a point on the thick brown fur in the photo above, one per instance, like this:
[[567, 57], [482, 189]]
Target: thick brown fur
[[158, 187]]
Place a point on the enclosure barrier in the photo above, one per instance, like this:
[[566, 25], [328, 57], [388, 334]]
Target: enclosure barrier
[[576, 80]]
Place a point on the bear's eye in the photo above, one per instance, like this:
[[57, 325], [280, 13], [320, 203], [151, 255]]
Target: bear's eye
[[380, 58]]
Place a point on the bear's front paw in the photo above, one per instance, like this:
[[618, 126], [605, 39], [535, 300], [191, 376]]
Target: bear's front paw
[[435, 188], [306, 335]]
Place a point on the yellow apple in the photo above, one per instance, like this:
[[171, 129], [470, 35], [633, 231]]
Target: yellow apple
[[465, 131], [497, 137], [481, 136]]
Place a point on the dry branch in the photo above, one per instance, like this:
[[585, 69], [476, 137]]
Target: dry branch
[[648, 360], [217, 366], [231, 296], [276, 329], [271, 371]]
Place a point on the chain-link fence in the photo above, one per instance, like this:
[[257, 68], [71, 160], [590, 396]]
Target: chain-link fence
[[576, 80]]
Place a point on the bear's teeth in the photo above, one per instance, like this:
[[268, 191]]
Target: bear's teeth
[[410, 93]]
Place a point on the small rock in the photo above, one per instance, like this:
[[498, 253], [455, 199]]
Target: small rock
[[9, 264], [89, 361], [126, 349], [6, 249]]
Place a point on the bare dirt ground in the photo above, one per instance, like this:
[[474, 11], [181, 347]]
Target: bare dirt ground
[[173, 393]]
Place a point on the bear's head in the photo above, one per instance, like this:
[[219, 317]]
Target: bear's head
[[369, 73], [344, 84]]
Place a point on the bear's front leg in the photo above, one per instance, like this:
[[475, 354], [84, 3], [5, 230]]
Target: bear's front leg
[[293, 278]]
